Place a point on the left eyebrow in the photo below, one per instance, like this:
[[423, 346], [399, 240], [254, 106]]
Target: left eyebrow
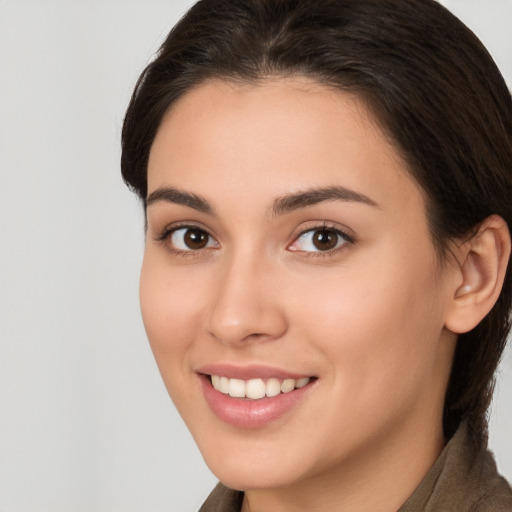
[[294, 201]]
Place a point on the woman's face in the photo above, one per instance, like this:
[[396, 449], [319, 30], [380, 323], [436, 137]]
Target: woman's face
[[288, 255]]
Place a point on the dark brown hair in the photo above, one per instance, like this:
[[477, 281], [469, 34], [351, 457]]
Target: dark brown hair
[[428, 80]]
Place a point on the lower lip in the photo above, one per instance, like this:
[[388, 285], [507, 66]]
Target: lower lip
[[247, 413]]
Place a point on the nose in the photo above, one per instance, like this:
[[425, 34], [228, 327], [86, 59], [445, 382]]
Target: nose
[[246, 306]]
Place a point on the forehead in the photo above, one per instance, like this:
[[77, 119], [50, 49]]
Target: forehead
[[278, 135]]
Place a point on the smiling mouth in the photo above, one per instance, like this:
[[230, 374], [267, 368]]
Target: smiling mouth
[[256, 389]]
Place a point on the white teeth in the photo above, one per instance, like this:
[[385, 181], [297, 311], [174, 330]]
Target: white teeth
[[223, 385], [273, 387], [288, 385], [300, 383], [236, 388], [256, 388]]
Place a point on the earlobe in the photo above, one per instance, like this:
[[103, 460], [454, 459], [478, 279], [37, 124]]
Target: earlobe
[[482, 263]]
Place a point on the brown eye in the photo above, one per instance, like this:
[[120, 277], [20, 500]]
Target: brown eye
[[196, 239], [320, 240], [191, 239], [325, 239]]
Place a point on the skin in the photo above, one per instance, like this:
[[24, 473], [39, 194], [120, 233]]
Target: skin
[[367, 319]]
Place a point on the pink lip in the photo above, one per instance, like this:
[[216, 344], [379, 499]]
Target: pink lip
[[248, 372], [246, 413]]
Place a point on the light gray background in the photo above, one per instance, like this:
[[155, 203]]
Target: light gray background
[[85, 422]]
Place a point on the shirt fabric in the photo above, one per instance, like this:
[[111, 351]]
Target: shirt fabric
[[461, 480]]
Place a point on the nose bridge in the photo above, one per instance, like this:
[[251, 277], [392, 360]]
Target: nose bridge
[[245, 306]]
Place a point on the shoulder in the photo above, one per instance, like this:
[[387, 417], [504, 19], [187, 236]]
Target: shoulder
[[493, 493], [463, 479]]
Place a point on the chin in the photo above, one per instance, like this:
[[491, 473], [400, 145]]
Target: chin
[[244, 476], [258, 460]]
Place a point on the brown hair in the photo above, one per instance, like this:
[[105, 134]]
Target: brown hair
[[428, 80]]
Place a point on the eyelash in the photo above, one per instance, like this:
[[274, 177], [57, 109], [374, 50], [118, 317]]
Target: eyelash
[[167, 233], [326, 227]]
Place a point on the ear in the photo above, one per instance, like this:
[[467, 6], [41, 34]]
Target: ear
[[480, 270]]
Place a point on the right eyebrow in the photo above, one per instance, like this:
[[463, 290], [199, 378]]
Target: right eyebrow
[[310, 197], [173, 195]]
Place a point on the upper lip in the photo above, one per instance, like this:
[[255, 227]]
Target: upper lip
[[253, 371]]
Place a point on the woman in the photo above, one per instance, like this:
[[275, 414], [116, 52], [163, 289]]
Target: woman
[[326, 283]]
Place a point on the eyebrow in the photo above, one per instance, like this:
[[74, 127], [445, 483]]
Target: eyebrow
[[281, 206], [295, 201], [173, 195]]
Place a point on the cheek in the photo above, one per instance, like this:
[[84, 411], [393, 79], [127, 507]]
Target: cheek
[[379, 327], [170, 306], [170, 311]]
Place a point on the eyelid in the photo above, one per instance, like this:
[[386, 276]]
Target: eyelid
[[324, 226], [166, 233], [343, 232]]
